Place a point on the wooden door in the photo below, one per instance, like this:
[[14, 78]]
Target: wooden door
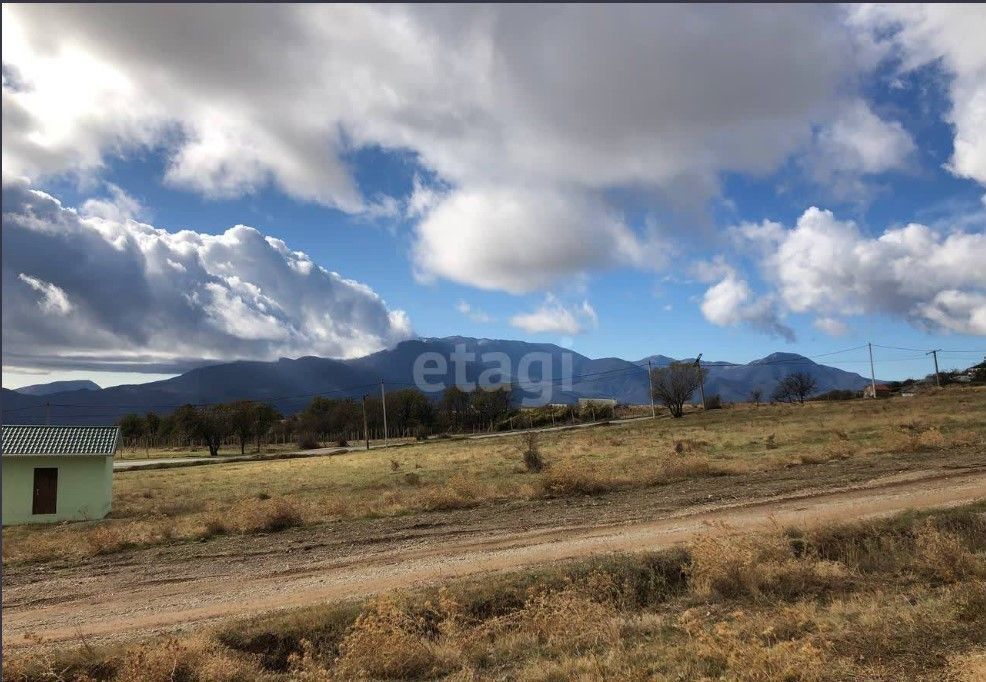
[[45, 490]]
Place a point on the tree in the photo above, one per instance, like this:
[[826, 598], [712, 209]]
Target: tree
[[782, 393], [152, 425], [675, 384], [267, 417], [454, 406], [132, 427], [797, 386], [209, 424], [241, 421], [756, 395], [490, 404]]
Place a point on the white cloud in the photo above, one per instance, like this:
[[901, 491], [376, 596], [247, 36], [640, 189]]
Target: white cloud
[[127, 293], [829, 267], [53, 298], [858, 141], [731, 302], [474, 314], [953, 34], [832, 326], [524, 239], [556, 318], [543, 104]]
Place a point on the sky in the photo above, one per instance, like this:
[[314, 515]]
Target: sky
[[191, 184]]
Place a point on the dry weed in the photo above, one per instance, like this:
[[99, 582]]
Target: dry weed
[[573, 478], [968, 667], [943, 557], [741, 648], [750, 566], [386, 642]]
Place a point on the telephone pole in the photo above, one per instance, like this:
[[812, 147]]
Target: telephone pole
[[383, 398], [366, 428], [701, 378], [934, 354], [650, 384], [872, 371]]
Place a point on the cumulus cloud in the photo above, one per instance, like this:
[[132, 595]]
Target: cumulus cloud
[[827, 266], [731, 302], [121, 293], [555, 317], [544, 104], [951, 35], [858, 142], [523, 239]]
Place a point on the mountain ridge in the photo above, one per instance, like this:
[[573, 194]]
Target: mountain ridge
[[536, 370]]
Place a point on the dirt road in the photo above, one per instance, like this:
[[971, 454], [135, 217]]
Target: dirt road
[[174, 587]]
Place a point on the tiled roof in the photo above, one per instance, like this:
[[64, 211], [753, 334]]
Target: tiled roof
[[59, 440]]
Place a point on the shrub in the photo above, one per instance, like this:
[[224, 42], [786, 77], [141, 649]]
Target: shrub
[[746, 566], [307, 441], [385, 642], [342, 443], [421, 432], [572, 479], [943, 557], [713, 402], [280, 514], [532, 451], [412, 478], [106, 539]]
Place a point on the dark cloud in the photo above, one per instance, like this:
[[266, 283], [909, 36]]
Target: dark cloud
[[82, 290]]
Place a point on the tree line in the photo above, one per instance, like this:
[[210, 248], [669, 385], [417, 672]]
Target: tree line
[[410, 413]]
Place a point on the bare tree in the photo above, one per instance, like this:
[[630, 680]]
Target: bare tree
[[674, 385], [756, 395], [797, 386]]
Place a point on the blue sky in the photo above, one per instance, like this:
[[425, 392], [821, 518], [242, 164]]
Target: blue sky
[[583, 201]]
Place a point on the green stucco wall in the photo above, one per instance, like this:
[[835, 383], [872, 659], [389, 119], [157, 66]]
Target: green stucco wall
[[85, 488]]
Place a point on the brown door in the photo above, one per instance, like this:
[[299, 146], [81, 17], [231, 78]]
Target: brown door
[[45, 490]]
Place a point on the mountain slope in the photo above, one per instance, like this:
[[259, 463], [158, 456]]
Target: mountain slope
[[539, 372], [58, 387]]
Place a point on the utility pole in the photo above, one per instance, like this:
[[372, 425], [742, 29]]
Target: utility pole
[[383, 398], [934, 353], [650, 384], [366, 428], [872, 371], [701, 378]]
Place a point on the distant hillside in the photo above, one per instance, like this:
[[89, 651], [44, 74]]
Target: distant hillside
[[290, 384], [58, 387]]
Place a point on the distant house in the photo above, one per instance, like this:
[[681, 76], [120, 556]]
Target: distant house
[[57, 473], [882, 391], [597, 402]]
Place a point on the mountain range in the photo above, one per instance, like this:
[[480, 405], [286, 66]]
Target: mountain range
[[536, 369]]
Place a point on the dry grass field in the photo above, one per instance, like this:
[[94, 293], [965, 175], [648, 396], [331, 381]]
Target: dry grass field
[[892, 599], [199, 503]]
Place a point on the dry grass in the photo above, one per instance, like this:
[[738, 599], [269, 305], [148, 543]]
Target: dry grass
[[170, 505], [777, 606]]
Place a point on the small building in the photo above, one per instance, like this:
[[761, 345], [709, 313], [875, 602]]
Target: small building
[[596, 402], [882, 391], [57, 473]]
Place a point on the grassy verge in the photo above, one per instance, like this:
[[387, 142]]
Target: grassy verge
[[252, 496], [900, 598]]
